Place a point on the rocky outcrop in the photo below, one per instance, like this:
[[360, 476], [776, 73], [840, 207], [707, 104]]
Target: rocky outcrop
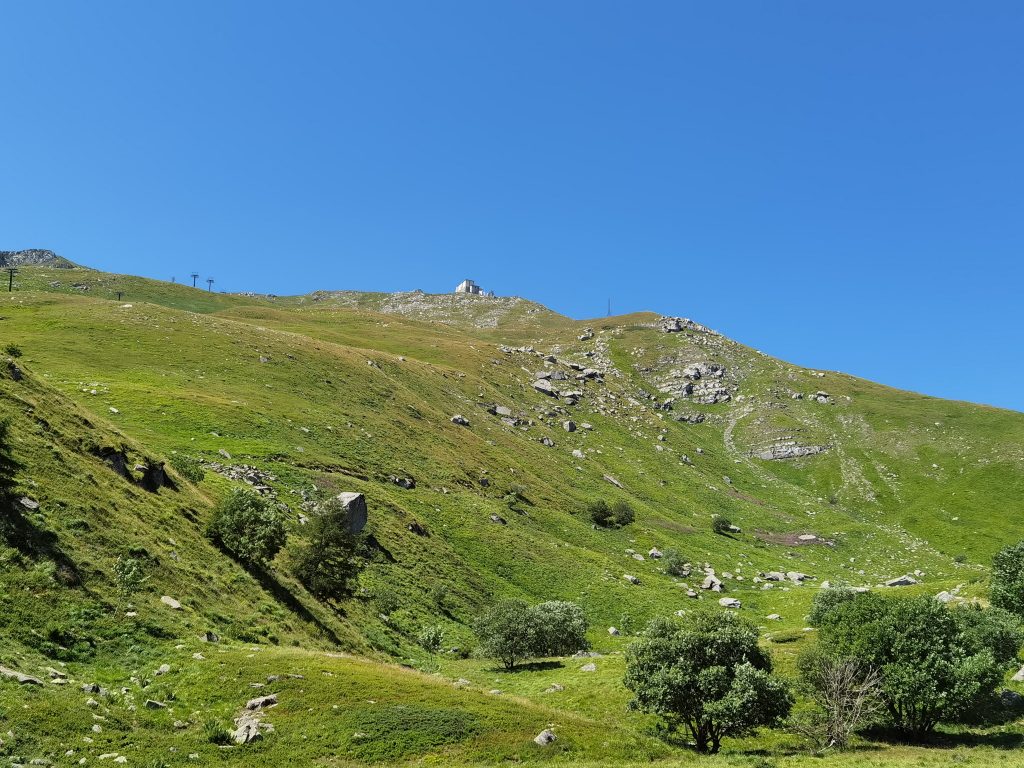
[[787, 449], [19, 677], [677, 324], [356, 513], [33, 257]]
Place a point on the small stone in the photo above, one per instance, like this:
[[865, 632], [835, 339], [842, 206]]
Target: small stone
[[545, 737]]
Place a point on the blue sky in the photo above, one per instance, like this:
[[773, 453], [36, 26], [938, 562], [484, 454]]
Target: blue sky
[[837, 184]]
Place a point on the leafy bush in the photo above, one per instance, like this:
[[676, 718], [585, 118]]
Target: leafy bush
[[129, 575], [1007, 589], [675, 563], [217, 734], [826, 601], [507, 632], [937, 665], [721, 524], [188, 467], [248, 526], [710, 677], [327, 563], [430, 638], [513, 631], [8, 466], [13, 350], [562, 628], [615, 515]]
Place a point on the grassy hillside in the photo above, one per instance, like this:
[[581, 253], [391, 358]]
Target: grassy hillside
[[333, 392]]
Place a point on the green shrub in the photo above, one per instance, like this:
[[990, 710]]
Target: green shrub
[[188, 467], [615, 515], [217, 734], [937, 665], [513, 631], [431, 638], [720, 524], [1007, 589], [675, 563], [248, 526], [562, 628], [13, 350], [129, 575], [327, 563], [709, 676], [826, 601]]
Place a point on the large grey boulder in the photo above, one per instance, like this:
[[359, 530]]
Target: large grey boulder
[[545, 737], [902, 581], [354, 505], [19, 677]]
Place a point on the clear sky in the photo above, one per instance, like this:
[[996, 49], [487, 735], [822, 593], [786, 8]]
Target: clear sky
[[837, 184]]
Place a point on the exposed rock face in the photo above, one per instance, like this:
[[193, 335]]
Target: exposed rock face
[[788, 449], [19, 677], [32, 257], [153, 477], [15, 371], [677, 324], [356, 514]]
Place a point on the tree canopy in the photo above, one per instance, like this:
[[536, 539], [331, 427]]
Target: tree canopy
[[708, 676]]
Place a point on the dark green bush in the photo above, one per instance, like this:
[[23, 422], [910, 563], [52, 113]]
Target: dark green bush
[[248, 526]]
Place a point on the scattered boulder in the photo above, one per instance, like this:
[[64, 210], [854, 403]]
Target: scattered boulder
[[499, 520], [902, 581], [30, 504], [171, 603], [1018, 677], [729, 602], [547, 441], [613, 632], [418, 529], [407, 483], [460, 420], [261, 702], [569, 425], [613, 481], [19, 677], [545, 737], [655, 553], [788, 449], [209, 637], [545, 387], [153, 477], [247, 730], [591, 667], [712, 583], [154, 704], [631, 579]]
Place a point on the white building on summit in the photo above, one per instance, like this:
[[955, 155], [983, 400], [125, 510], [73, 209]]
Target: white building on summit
[[468, 286]]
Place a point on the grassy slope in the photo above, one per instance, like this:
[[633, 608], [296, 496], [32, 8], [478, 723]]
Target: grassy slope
[[337, 406]]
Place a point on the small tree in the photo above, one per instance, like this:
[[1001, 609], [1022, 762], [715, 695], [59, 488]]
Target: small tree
[[618, 514], [827, 601], [129, 575], [675, 563], [562, 628], [248, 526], [847, 693], [1007, 587], [936, 664], [622, 513], [327, 563], [430, 638], [710, 677], [721, 524], [508, 632], [8, 465]]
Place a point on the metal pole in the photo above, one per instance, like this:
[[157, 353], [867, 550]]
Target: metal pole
[[209, 284], [195, 275], [10, 279]]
